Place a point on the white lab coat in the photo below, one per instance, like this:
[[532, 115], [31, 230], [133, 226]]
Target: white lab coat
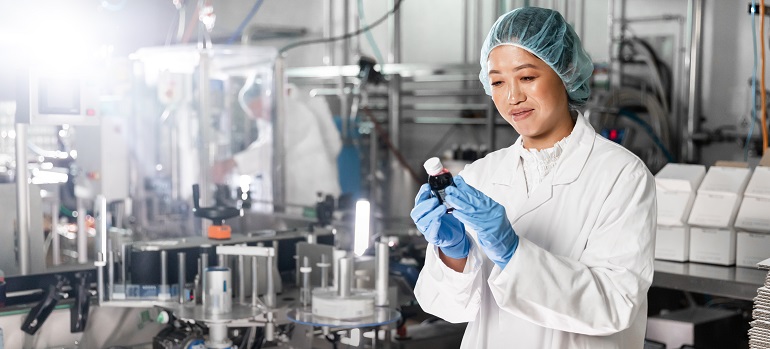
[[312, 144], [584, 263]]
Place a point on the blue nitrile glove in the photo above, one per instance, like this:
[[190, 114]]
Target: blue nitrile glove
[[439, 228], [482, 214]]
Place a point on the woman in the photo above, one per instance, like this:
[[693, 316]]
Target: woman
[[550, 244]]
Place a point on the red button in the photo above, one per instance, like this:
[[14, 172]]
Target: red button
[[90, 112]]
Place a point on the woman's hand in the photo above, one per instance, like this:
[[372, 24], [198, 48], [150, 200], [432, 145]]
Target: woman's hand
[[482, 214], [438, 227]]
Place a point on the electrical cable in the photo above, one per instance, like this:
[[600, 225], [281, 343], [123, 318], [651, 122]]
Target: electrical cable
[[238, 32], [647, 128], [763, 96], [632, 97], [344, 36], [651, 60], [191, 26], [384, 136], [369, 36], [753, 84]]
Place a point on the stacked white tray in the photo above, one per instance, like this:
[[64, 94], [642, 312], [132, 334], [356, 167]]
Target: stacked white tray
[[759, 334]]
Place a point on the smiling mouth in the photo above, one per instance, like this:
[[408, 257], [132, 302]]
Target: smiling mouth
[[519, 115]]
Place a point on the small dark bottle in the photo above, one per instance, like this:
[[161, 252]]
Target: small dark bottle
[[439, 178]]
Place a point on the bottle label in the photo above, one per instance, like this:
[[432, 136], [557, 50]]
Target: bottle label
[[442, 197]]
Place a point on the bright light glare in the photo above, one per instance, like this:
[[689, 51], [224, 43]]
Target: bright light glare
[[48, 177], [361, 242], [244, 181]]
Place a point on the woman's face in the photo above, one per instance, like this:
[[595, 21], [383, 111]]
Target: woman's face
[[529, 95]]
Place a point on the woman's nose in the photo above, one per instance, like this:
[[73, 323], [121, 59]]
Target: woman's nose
[[515, 95]]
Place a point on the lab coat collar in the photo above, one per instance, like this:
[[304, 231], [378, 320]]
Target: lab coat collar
[[571, 164], [567, 170]]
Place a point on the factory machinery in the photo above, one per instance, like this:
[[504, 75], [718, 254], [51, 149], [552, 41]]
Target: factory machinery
[[208, 293]]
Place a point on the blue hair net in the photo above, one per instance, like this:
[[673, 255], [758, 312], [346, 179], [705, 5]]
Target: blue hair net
[[545, 34]]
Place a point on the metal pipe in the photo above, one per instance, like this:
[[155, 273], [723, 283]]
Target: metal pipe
[[279, 133], [270, 295], [100, 206], [164, 294], [123, 266], [55, 238], [381, 274], [22, 183], [111, 274], [647, 19], [328, 32], [82, 237], [305, 270], [181, 275], [374, 149], [218, 336], [695, 19], [346, 276], [345, 25], [397, 173], [100, 284], [394, 32], [254, 282], [241, 279], [204, 262], [478, 32], [223, 261], [678, 93], [611, 42], [205, 132], [324, 265], [465, 31]]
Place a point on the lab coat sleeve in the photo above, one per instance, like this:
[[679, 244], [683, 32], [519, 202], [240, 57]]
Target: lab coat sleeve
[[254, 160], [601, 292], [443, 292]]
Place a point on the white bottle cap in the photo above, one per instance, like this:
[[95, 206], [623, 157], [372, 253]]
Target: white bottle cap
[[433, 166]]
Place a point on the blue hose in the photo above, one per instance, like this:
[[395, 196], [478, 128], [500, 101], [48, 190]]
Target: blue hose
[[238, 32], [647, 128]]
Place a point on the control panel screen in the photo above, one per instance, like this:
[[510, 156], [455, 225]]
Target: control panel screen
[[59, 96]]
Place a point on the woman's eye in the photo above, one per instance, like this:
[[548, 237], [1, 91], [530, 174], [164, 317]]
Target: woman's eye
[[497, 83], [528, 78]]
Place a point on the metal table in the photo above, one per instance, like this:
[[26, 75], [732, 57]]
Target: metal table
[[733, 282]]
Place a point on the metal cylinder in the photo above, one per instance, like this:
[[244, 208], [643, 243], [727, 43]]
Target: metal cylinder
[[222, 261], [164, 291], [82, 237], [182, 275], [111, 274], [217, 290], [324, 265], [55, 239], [270, 295], [218, 336], [204, 261], [241, 280], [346, 276], [695, 21], [305, 296], [381, 274], [279, 134], [254, 282], [22, 198]]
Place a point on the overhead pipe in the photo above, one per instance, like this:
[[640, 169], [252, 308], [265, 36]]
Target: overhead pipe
[[695, 21]]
